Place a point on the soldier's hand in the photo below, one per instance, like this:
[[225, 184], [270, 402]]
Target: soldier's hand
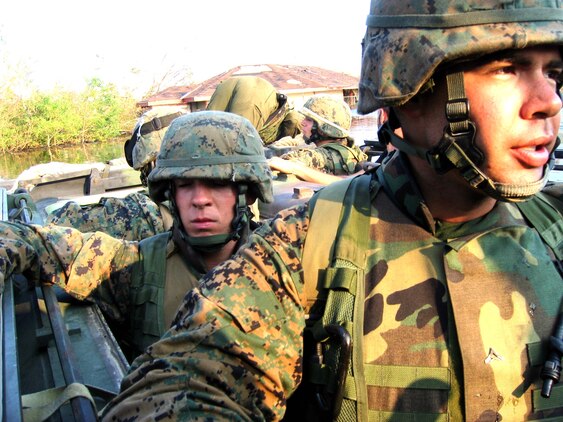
[[11, 251]]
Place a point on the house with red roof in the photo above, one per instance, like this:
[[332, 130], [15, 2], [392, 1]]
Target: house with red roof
[[298, 83]]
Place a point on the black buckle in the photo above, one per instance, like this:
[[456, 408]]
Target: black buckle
[[551, 371], [156, 123], [345, 345]]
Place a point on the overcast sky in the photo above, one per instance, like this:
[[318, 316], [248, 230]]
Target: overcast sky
[[130, 43]]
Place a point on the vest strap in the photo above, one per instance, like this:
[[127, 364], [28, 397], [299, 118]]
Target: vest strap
[[381, 416], [344, 153], [41, 405], [554, 401], [148, 291], [342, 318], [438, 378], [543, 211]]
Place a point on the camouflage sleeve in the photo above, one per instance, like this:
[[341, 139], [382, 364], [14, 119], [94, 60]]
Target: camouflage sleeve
[[131, 218], [234, 349], [86, 265], [314, 158]]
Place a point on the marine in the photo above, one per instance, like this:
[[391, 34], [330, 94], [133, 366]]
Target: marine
[[135, 216], [326, 126], [211, 167]]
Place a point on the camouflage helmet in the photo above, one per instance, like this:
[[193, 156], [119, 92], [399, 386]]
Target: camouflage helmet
[[332, 115], [213, 145], [147, 135], [407, 40]]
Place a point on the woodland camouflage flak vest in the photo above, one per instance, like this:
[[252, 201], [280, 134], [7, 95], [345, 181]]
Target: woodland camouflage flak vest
[[337, 380]]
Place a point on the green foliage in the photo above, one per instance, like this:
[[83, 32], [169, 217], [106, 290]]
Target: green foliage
[[97, 114]]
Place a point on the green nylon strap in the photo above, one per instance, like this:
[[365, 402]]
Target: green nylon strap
[[457, 108], [344, 306], [338, 264], [158, 123], [338, 167], [148, 288], [544, 213], [342, 149], [323, 224], [537, 353], [481, 17], [41, 405], [554, 401], [400, 377], [269, 132], [352, 237], [340, 278], [380, 416]]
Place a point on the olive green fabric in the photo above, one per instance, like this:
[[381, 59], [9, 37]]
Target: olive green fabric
[[156, 290], [250, 97], [257, 100]]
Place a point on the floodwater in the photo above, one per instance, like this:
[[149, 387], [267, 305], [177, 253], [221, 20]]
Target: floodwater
[[11, 165]]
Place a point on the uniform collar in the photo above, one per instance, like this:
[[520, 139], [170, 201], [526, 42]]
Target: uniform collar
[[396, 178]]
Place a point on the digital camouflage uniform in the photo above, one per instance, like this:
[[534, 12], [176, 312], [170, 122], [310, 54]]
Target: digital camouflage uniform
[[133, 217], [454, 318], [334, 159], [114, 273], [332, 120]]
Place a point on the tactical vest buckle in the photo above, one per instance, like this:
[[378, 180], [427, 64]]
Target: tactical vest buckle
[[344, 351]]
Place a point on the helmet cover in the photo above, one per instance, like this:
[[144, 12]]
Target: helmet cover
[[332, 115], [144, 144], [213, 145], [407, 40]]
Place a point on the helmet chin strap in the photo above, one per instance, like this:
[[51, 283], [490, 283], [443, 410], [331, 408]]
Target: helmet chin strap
[[457, 149]]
